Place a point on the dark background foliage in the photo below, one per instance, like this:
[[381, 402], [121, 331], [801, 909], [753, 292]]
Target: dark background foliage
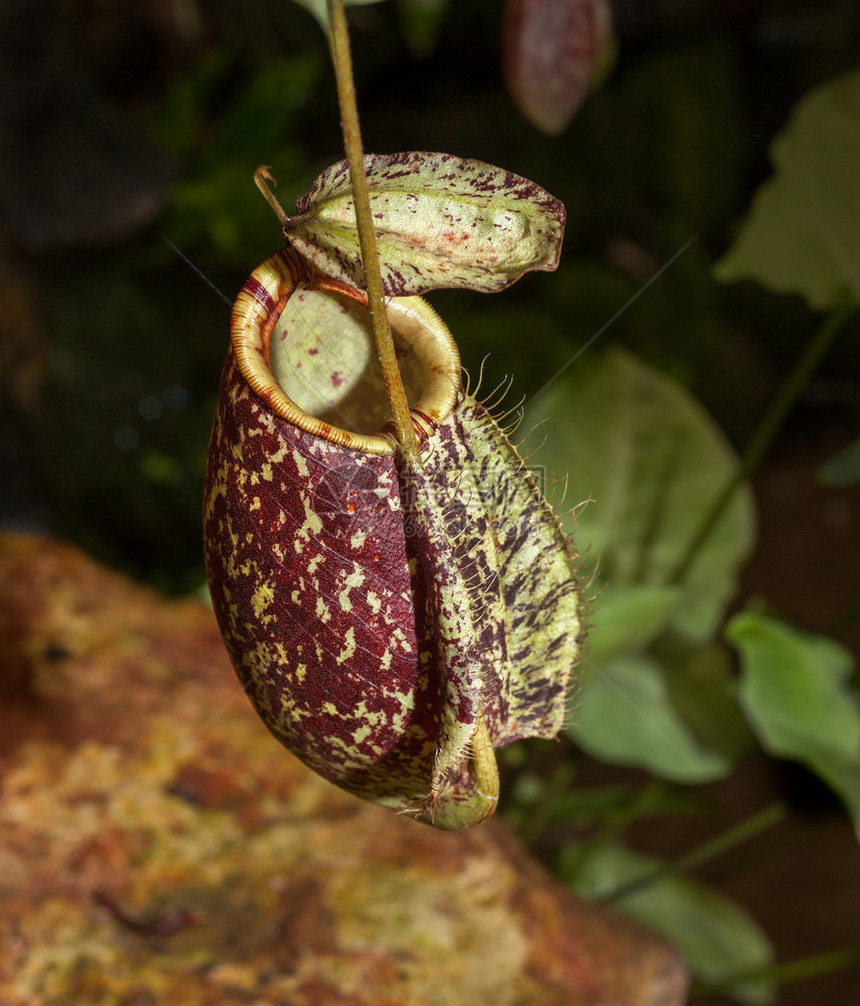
[[129, 220]]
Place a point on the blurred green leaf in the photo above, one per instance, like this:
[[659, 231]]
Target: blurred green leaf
[[216, 214], [628, 619], [263, 114], [801, 235], [624, 715], [843, 469], [595, 805], [319, 8], [177, 121], [716, 936], [675, 121], [653, 461], [218, 217], [226, 120], [422, 22], [794, 689], [702, 687], [160, 467]]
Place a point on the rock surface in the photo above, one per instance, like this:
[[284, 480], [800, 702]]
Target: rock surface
[[158, 846]]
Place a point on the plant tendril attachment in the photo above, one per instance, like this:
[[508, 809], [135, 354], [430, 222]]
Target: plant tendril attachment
[[261, 177]]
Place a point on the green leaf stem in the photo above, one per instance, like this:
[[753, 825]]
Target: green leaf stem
[[796, 694], [716, 936]]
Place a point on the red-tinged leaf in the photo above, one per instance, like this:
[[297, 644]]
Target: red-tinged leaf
[[440, 221], [549, 52]]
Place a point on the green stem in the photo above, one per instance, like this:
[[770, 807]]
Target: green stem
[[737, 835], [769, 427], [782, 974], [367, 238]]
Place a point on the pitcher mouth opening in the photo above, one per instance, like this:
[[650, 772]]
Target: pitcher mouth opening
[[330, 384]]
